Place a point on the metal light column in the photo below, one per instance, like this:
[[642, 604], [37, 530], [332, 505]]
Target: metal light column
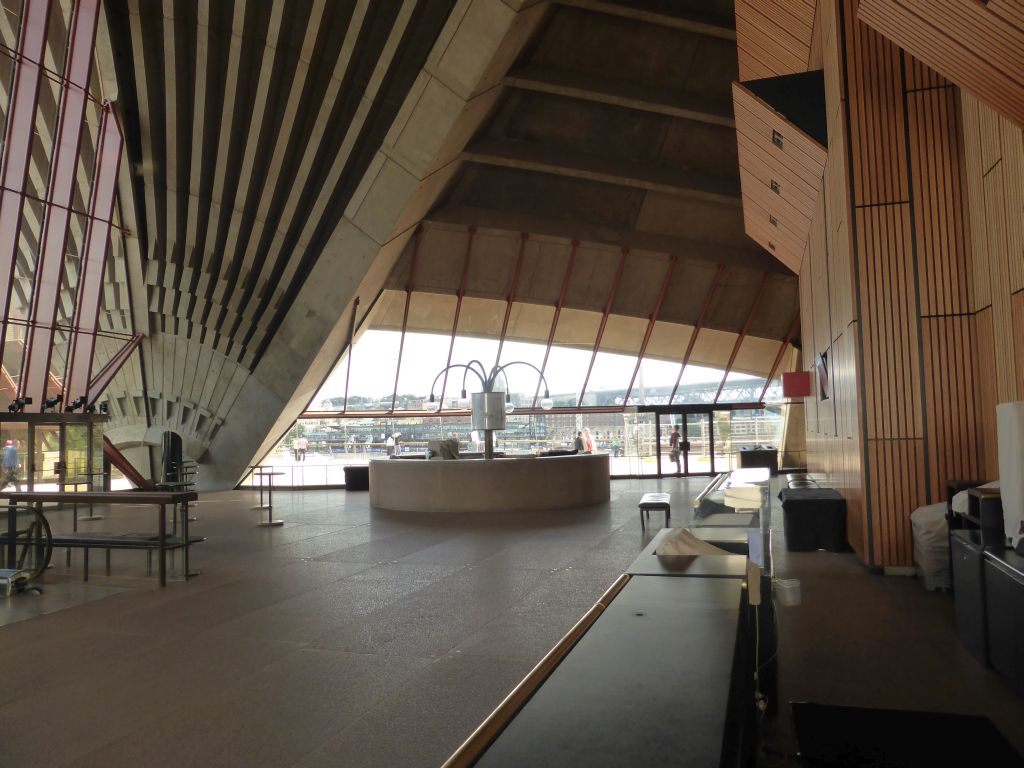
[[17, 146], [743, 334], [59, 193], [604, 321], [696, 329], [650, 325]]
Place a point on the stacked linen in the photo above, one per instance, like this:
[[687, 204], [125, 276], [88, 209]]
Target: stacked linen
[[931, 546], [743, 496]]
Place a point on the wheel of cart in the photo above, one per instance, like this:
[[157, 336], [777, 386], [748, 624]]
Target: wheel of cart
[[26, 545]]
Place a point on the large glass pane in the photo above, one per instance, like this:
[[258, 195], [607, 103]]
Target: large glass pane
[[45, 467], [57, 36], [698, 386], [374, 361], [10, 371], [615, 361], [73, 251], [11, 14], [638, 445], [14, 466], [571, 352], [697, 455], [724, 460], [741, 388], [25, 259], [671, 448], [76, 455], [45, 135], [6, 82]]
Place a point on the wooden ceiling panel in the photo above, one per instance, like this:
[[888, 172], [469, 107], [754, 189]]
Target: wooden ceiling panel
[[780, 183], [773, 37], [978, 46]]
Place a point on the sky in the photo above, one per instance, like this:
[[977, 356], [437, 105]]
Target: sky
[[424, 356]]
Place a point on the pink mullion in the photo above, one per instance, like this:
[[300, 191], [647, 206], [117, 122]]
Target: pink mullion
[[60, 190], [90, 283], [18, 145]]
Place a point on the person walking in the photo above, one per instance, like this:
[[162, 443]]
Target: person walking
[[10, 466], [673, 444], [301, 446]]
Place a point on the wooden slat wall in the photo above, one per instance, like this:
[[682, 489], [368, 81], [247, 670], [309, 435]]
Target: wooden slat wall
[[773, 37], [892, 306], [994, 165], [797, 166], [911, 278], [828, 320], [944, 277], [979, 46]]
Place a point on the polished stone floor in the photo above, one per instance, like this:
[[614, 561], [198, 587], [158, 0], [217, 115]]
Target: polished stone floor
[[356, 637]]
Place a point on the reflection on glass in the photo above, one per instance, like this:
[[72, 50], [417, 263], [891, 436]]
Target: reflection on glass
[[14, 469]]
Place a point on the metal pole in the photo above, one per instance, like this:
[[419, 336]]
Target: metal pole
[[696, 329], [782, 351], [604, 321], [650, 325], [513, 289], [409, 286], [554, 320], [458, 309], [743, 334]]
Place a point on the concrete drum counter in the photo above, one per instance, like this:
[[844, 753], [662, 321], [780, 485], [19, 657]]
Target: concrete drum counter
[[490, 485]]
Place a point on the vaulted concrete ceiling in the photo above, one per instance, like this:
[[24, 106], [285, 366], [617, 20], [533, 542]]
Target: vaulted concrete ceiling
[[281, 153], [614, 128]]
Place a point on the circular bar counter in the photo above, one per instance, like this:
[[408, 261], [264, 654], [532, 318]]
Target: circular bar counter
[[489, 485]]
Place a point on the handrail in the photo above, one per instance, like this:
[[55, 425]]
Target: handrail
[[710, 488], [119, 460], [489, 730], [109, 497]]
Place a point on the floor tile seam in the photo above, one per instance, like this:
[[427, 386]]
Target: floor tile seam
[[68, 682], [220, 698]]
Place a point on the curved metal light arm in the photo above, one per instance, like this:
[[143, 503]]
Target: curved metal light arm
[[482, 375], [449, 367], [501, 370]]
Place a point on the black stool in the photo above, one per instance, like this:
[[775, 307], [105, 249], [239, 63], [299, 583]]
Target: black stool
[[655, 501]]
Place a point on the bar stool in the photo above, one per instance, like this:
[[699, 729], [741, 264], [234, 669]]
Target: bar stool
[[261, 472]]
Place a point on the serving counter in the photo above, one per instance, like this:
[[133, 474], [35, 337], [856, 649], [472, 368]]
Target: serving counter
[[489, 485]]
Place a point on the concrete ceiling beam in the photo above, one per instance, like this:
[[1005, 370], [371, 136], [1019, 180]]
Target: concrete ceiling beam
[[607, 169], [570, 229], [621, 93], [688, 22]]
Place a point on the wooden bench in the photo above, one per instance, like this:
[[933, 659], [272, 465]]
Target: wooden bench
[[655, 501]]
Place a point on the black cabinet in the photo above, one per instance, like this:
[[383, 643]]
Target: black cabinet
[[969, 591], [1004, 599]]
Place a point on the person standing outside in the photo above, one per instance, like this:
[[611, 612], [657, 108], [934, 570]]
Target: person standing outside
[[588, 441], [301, 446], [673, 444], [10, 466], [578, 443]]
